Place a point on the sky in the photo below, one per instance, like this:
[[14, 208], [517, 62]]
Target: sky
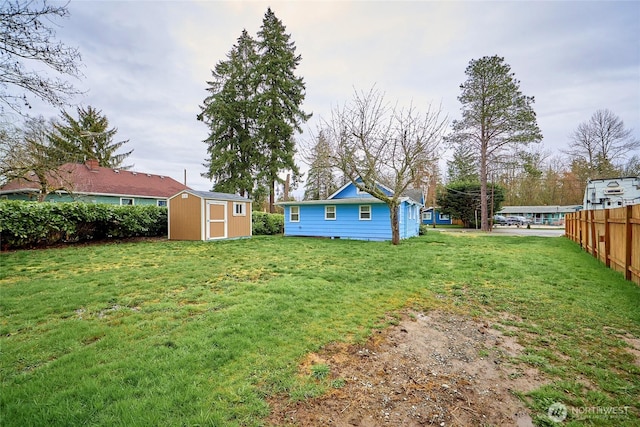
[[146, 63]]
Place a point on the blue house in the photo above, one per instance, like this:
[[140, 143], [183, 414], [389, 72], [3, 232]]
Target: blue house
[[430, 214], [351, 214]]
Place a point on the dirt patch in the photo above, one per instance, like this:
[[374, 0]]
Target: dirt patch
[[434, 369]]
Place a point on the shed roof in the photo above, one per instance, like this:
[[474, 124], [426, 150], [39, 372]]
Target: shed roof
[[216, 195]]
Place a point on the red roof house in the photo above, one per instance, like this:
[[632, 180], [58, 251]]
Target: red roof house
[[91, 183]]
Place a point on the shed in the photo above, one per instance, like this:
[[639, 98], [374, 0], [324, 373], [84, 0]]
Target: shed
[[206, 215]]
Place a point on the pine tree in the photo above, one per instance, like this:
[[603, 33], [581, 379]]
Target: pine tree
[[280, 98], [321, 181], [88, 137], [230, 113], [496, 116], [463, 166]]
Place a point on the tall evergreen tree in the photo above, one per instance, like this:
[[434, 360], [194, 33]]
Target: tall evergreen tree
[[496, 116], [88, 137], [280, 97], [463, 166], [321, 181], [230, 112]]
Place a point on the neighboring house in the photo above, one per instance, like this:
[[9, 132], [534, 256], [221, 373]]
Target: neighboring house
[[431, 213], [88, 182], [543, 215], [206, 215], [612, 193], [351, 214]]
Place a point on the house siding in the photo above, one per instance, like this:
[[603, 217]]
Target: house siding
[[85, 198], [347, 224]]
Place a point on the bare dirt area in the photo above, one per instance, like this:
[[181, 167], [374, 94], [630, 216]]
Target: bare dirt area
[[430, 369]]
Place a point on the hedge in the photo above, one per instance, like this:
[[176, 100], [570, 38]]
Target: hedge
[[31, 224], [267, 223]]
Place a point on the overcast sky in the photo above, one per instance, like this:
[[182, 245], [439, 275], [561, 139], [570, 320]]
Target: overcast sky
[[146, 63]]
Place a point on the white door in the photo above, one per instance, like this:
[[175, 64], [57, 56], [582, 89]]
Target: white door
[[216, 220]]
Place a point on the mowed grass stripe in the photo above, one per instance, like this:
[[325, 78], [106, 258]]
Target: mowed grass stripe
[[186, 333]]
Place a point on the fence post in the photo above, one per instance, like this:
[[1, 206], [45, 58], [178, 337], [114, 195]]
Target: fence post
[[628, 233], [592, 233], [607, 239]]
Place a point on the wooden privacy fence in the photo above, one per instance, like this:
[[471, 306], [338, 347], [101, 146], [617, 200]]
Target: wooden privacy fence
[[611, 235]]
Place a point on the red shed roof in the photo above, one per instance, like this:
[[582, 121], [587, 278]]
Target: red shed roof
[[89, 178]]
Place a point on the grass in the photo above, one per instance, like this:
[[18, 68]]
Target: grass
[[195, 333]]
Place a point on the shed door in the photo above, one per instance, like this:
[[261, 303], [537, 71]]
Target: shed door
[[216, 220]]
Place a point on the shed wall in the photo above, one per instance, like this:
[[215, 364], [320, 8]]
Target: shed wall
[[238, 226], [185, 217]]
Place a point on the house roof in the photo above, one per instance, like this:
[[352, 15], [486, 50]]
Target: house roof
[[216, 195], [349, 183], [346, 201], [539, 209], [88, 178]]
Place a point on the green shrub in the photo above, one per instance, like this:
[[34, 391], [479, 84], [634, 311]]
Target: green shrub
[[267, 223], [29, 224]]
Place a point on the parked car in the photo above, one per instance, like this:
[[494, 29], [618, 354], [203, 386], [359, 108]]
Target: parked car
[[518, 220], [499, 220]]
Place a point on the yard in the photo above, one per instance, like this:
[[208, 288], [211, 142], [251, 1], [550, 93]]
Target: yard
[[275, 331]]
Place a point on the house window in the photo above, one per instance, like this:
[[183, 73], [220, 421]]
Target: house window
[[444, 217], [365, 212], [294, 213], [162, 203], [426, 216], [239, 209], [126, 201], [330, 212]]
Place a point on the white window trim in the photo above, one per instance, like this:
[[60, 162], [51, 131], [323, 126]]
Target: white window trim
[[291, 214], [444, 217], [133, 201], [158, 203], [326, 211], [243, 209], [360, 213], [426, 216]]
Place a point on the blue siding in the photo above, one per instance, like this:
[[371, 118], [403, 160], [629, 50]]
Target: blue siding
[[347, 224], [439, 220]]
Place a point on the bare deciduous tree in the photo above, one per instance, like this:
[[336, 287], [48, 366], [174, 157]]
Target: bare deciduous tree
[[374, 143], [27, 41], [27, 155], [600, 143]]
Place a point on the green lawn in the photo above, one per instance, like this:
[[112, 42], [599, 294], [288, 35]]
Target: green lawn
[[194, 333]]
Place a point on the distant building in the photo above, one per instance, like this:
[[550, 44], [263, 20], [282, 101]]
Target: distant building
[[543, 215], [432, 215], [90, 183], [612, 193]]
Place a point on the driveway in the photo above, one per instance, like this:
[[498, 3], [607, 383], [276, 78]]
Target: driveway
[[535, 230]]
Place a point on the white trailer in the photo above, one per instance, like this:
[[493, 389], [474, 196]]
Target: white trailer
[[611, 193]]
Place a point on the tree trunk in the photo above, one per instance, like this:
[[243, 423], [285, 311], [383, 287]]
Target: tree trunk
[[395, 226], [484, 218], [272, 197]]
